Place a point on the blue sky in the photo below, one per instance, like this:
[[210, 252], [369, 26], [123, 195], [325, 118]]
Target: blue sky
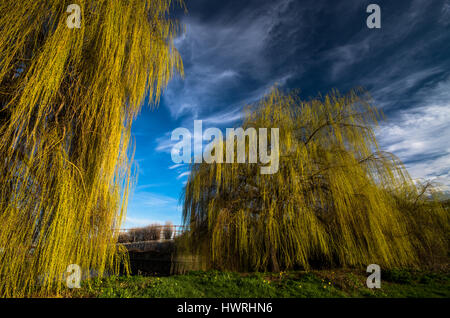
[[234, 51]]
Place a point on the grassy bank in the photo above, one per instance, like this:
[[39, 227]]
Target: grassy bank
[[339, 283]]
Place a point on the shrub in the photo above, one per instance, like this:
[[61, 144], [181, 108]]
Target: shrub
[[124, 238], [400, 276], [152, 232], [148, 233]]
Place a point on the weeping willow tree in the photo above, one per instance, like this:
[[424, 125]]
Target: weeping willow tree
[[337, 199], [68, 98]]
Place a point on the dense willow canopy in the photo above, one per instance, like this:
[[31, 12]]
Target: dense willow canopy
[[67, 101], [337, 199]]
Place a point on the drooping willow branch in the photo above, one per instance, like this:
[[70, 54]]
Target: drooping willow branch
[[68, 98], [337, 199]]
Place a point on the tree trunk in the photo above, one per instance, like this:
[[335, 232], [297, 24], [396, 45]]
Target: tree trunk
[[273, 259]]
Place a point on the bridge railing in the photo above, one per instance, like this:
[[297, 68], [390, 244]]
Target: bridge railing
[[166, 232]]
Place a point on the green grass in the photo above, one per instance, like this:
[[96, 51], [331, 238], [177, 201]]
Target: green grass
[[339, 283]]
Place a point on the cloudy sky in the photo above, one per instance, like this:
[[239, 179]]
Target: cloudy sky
[[234, 51]]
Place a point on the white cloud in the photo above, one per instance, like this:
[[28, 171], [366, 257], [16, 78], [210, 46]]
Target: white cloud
[[219, 56], [445, 17], [184, 174], [164, 143], [400, 82], [137, 222], [178, 165], [420, 137], [149, 207], [147, 186]]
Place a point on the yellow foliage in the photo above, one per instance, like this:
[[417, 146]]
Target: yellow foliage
[[334, 201], [68, 98]]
